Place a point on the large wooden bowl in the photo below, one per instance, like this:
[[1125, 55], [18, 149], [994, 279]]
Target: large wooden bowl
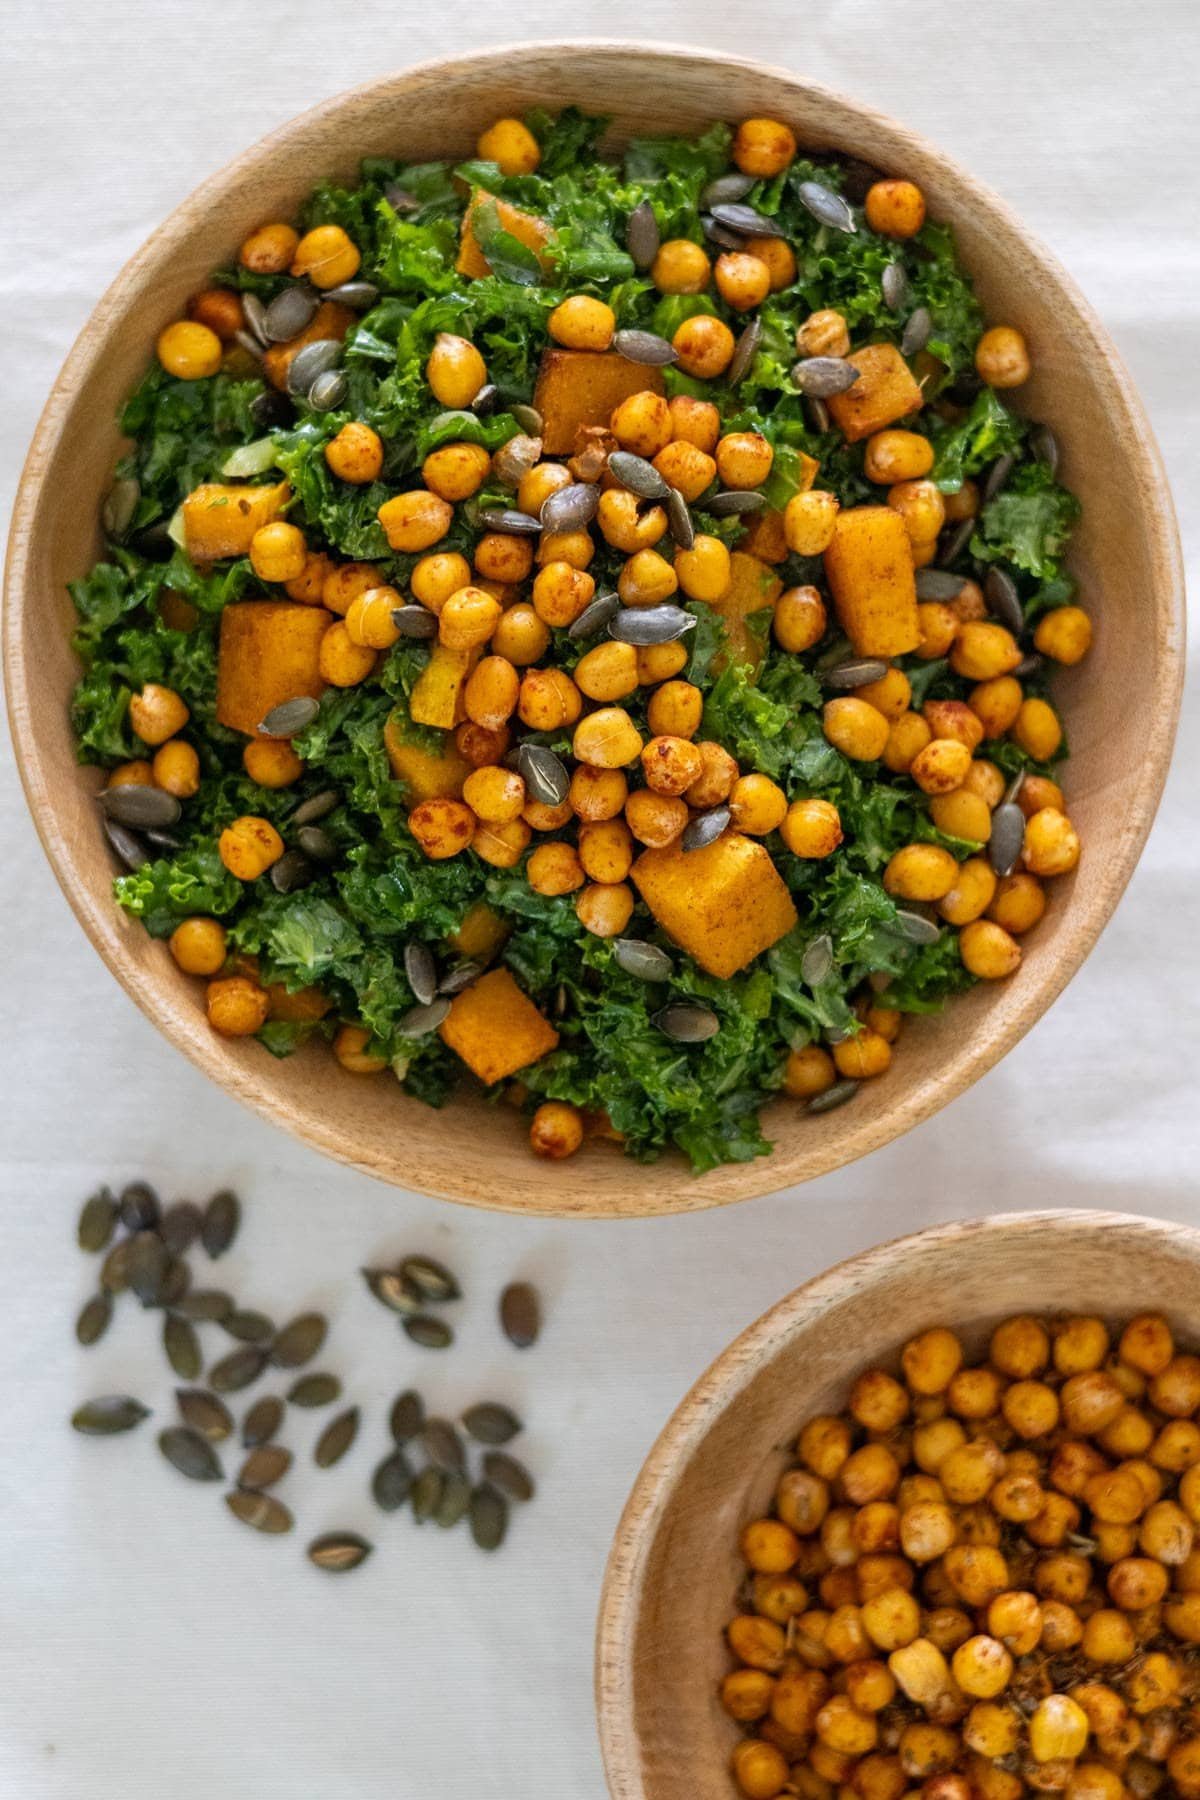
[[1121, 706], [674, 1571]]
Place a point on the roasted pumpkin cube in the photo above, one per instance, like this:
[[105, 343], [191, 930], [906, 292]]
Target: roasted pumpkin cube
[[578, 388], [269, 651], [495, 1028], [437, 695], [427, 774], [752, 585], [765, 537], [331, 320], [724, 904], [220, 517], [527, 228], [869, 566], [884, 392], [481, 933]]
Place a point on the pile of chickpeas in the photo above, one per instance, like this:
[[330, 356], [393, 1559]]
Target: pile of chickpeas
[[500, 606], [982, 1581]]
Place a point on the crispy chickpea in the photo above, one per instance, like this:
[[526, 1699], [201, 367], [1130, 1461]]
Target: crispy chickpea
[[236, 1006], [970, 896], [1064, 635], [548, 699], [131, 774], [624, 524], [694, 422], [938, 627], [520, 637], [1020, 1347], [986, 781], [1037, 791], [1002, 357], [575, 548], [871, 1473], [843, 1728], [895, 208], [812, 828], [680, 267], [802, 1501], [326, 255], [1146, 1344], [1135, 1582], [500, 556], [455, 370], [718, 772], [974, 1393], [581, 322], [890, 695], [704, 570], [511, 146], [176, 769], [777, 256], [495, 794], [608, 739], [198, 946], [823, 334], [415, 520], [642, 423], [674, 710], [188, 350], [920, 872], [157, 713], [537, 484], [647, 579], [608, 672], [941, 766], [540, 817], [597, 793], [809, 520], [893, 456], [1051, 843], [987, 950], [1176, 1447], [1019, 903], [927, 1531], [742, 279], [746, 1694], [350, 1049], [759, 1769], [969, 1472], [369, 620], [272, 763], [1036, 729], [891, 1619], [491, 692], [856, 728], [1175, 1390], [355, 455], [341, 661], [1080, 1344], [606, 850], [982, 1667], [769, 1547], [823, 1445], [442, 827], [655, 819], [456, 471], [502, 844], [560, 594], [605, 909], [997, 704], [763, 147], [218, 308], [921, 506], [799, 620], [343, 585], [249, 847], [758, 805], [907, 737], [278, 552], [670, 764], [704, 346], [984, 650], [862, 1057], [556, 1130], [1030, 1407], [878, 1401], [468, 619], [744, 460], [269, 250], [931, 1360], [686, 467], [808, 1072]]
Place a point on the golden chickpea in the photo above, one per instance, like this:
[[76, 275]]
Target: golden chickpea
[[927, 1531], [686, 467], [456, 471], [769, 1547], [1064, 635], [500, 557], [799, 620], [369, 620], [326, 255], [278, 552], [236, 1006], [272, 764], [608, 739], [642, 423], [935, 1436], [921, 506], [718, 772], [704, 346], [1080, 1344], [704, 570], [694, 422], [969, 1472], [894, 456], [812, 828], [468, 619], [1176, 1448], [655, 819], [597, 793], [1020, 1347], [938, 626], [556, 1130], [890, 695], [188, 350], [990, 1730], [974, 1393], [997, 704], [823, 334], [823, 1445], [626, 527], [670, 764], [608, 672], [931, 1360], [355, 454], [344, 584], [758, 805], [1002, 357], [871, 1473], [759, 1769], [895, 208], [442, 827], [157, 713], [987, 950], [984, 650], [886, 1020], [198, 946], [1037, 730], [341, 661], [490, 696], [809, 520], [176, 769], [920, 872], [606, 850], [1019, 903], [878, 1401], [763, 147], [808, 1072], [680, 267], [1030, 1407], [1147, 1344], [1183, 1766], [581, 322], [560, 594], [1051, 843], [131, 774], [891, 1619], [511, 146], [249, 847], [970, 897], [548, 700], [746, 1694], [1175, 1390], [744, 460], [647, 579], [743, 280], [520, 637], [1037, 791], [350, 1049], [982, 1667], [416, 520], [674, 710], [455, 370], [862, 1057], [494, 794], [546, 818], [1136, 1582], [605, 910], [554, 869], [941, 766], [269, 250], [842, 1727], [907, 737]]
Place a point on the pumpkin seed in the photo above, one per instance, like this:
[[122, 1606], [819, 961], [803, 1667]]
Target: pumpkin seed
[[249, 1327], [520, 1314], [1044, 445], [138, 806], [163, 840], [724, 188], [645, 625], [454, 1501], [744, 220], [315, 1390], [821, 376], [432, 1279], [916, 927], [204, 1413], [179, 1227], [520, 453], [238, 1369], [182, 1347], [328, 391], [957, 541], [222, 1217], [816, 964], [826, 207], [833, 1097], [176, 1282], [996, 477], [421, 971], [400, 200], [895, 286], [206, 1305], [744, 351], [120, 504], [265, 1465], [638, 475], [393, 1290], [646, 962], [109, 1414], [292, 872], [94, 1318], [430, 1333], [140, 1208], [687, 1022], [190, 1453], [272, 411], [490, 1423], [720, 235], [510, 521], [391, 1482], [1003, 600], [419, 1021], [310, 361], [817, 413], [262, 1512], [336, 1438], [299, 1340], [645, 347], [938, 584], [642, 236], [288, 313], [595, 616], [486, 400], [407, 1416], [731, 502], [545, 775], [1007, 839], [1028, 665], [255, 315], [96, 1221], [859, 672], [339, 1551], [570, 508], [706, 828], [917, 331], [415, 622], [290, 717], [148, 1260], [680, 520], [489, 1516], [262, 1421], [114, 1270], [359, 295], [510, 1476], [442, 1445], [426, 1493]]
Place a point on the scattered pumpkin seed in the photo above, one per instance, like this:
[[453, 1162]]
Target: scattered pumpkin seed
[[205, 1306], [744, 351], [545, 775], [319, 806], [430, 1333], [415, 621], [821, 376], [529, 419], [1007, 839], [996, 478], [336, 1438], [817, 414], [642, 236], [316, 842], [262, 1421], [638, 475], [917, 331], [595, 616], [938, 584], [642, 626], [520, 1314], [299, 1340], [826, 207], [310, 361], [287, 315], [120, 505], [182, 1347], [645, 347], [421, 971], [646, 962], [1028, 665], [687, 1022], [109, 1414], [705, 828], [859, 672], [486, 400], [179, 1227], [720, 234], [731, 502], [176, 1282], [488, 1422], [407, 1416], [724, 188], [272, 411], [454, 1501], [148, 1260], [96, 1221], [205, 1413], [314, 1390], [222, 1217], [510, 521], [140, 1208], [249, 1327], [392, 1481], [393, 1290], [127, 846], [570, 508], [328, 391], [238, 1369], [817, 962], [262, 1512], [510, 1476], [419, 1021], [489, 1516], [426, 1493], [916, 927], [1003, 600], [190, 1453], [680, 519], [114, 1270], [94, 1318], [432, 1279], [265, 1465], [895, 286], [339, 1551], [139, 806], [956, 543], [442, 1445], [833, 1097], [292, 872], [290, 717], [743, 220], [255, 314]]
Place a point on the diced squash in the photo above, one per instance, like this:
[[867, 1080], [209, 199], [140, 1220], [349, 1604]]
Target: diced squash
[[527, 228], [764, 537], [269, 651], [884, 392], [481, 933], [584, 387], [495, 1028], [437, 695], [427, 774], [220, 518], [752, 585], [870, 570], [330, 320], [724, 904]]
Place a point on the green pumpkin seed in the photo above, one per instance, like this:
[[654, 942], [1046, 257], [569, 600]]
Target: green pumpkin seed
[[420, 971], [407, 1416], [732, 502], [415, 621], [744, 352], [182, 1347], [442, 1445], [734, 186], [821, 376], [149, 1259], [175, 1283], [299, 1340], [529, 419], [94, 1318], [645, 347], [314, 1390], [290, 717], [510, 1476], [490, 1423], [393, 1290], [1007, 839], [204, 1413], [419, 1021], [456, 1498], [179, 1227], [262, 1421], [109, 1414], [140, 1209], [426, 1494], [336, 1438], [339, 1551], [546, 779], [687, 1023], [96, 1222], [833, 1097], [238, 1369], [190, 1453], [705, 828], [249, 1327], [120, 505], [642, 626], [129, 847], [205, 1305], [316, 807], [139, 806], [265, 1465], [219, 1226], [432, 1279], [430, 1333], [520, 1314], [917, 332], [114, 1270], [826, 207], [816, 964], [569, 508], [391, 1481], [489, 1516], [262, 1512], [642, 235]]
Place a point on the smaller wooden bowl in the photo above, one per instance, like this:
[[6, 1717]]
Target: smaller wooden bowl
[[674, 1570]]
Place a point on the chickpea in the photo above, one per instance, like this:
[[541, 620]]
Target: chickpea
[[696, 423], [938, 626], [455, 370], [456, 471], [548, 700], [812, 829], [343, 585], [176, 769], [188, 350], [350, 1049], [1037, 791], [799, 619], [808, 1072], [1176, 1448], [1051, 843], [704, 570], [1020, 1347], [1136, 1582], [935, 1436], [502, 844], [863, 1057], [823, 334], [626, 527], [495, 794], [605, 910], [769, 1547], [500, 557], [921, 506], [974, 1393], [642, 423], [582, 322], [718, 772], [341, 661], [895, 208], [982, 1667], [468, 619], [647, 579], [546, 818], [520, 637], [682, 465], [984, 650], [608, 672], [878, 1401], [758, 805], [896, 456], [655, 819], [746, 1694], [1019, 903], [931, 1360], [1064, 635], [680, 267], [907, 737], [823, 1446], [941, 766], [511, 145], [991, 1730], [249, 847], [1030, 1407], [198, 946], [272, 764], [674, 710], [608, 739], [997, 704], [704, 346], [968, 899], [1002, 357], [131, 774], [920, 872], [743, 280], [269, 250], [597, 793], [355, 455], [763, 147], [744, 460], [220, 309], [1175, 1390], [560, 594], [606, 850], [326, 255], [890, 695], [1037, 730], [987, 950], [442, 827], [670, 764], [236, 1006], [369, 620], [1146, 1344], [759, 1769], [157, 713], [556, 1130], [809, 520]]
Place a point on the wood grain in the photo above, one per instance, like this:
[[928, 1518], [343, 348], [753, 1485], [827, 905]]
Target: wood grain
[[1121, 705]]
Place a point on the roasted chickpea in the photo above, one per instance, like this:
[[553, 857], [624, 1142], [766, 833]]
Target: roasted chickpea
[[502, 844], [269, 250], [855, 728], [1037, 791], [341, 661], [547, 818], [511, 146], [763, 147], [520, 637], [941, 766], [198, 946], [176, 769], [811, 829], [468, 619], [1037, 730], [499, 556], [625, 526], [808, 1072], [938, 626], [343, 585], [704, 346], [608, 672], [704, 570], [490, 695], [1051, 843], [718, 772], [742, 279], [670, 764], [560, 593], [799, 620], [931, 1359], [605, 910], [674, 709], [236, 1006], [922, 508], [608, 739], [1064, 635], [695, 422], [1002, 357], [891, 694], [495, 794], [962, 814], [823, 334], [686, 467], [188, 350], [606, 850], [680, 267], [369, 620], [895, 456], [744, 460], [556, 1130], [481, 745], [581, 322], [757, 804], [326, 256], [131, 774], [442, 827], [272, 763], [759, 1769], [746, 1694], [249, 847], [350, 1047], [907, 737], [220, 309], [655, 819], [987, 950], [647, 579], [597, 793], [809, 520], [895, 208], [862, 1057], [642, 423], [969, 898], [356, 454], [157, 713], [456, 471], [548, 700], [416, 520], [455, 370], [1019, 903]]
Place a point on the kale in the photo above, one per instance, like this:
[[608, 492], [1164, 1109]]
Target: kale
[[1028, 522]]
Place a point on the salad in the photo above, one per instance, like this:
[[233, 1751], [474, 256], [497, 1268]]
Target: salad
[[581, 624]]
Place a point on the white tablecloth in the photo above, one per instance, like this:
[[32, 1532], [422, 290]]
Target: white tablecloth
[[151, 1650]]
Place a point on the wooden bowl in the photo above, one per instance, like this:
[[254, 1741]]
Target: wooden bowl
[[1121, 706], [674, 1572]]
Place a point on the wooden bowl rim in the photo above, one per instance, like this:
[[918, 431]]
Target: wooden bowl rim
[[666, 1186], [720, 1386]]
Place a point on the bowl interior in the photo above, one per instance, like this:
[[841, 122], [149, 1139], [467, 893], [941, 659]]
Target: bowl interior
[[674, 1573], [1120, 707]]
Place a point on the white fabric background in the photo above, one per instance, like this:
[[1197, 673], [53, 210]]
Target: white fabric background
[[149, 1649]]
